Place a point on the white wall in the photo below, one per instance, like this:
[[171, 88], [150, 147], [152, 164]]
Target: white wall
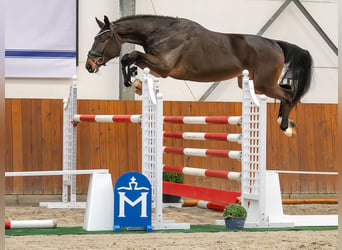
[[91, 86], [231, 16]]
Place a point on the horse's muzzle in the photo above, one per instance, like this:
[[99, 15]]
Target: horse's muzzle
[[91, 66]]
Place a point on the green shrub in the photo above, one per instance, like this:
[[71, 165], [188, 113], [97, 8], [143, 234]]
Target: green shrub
[[234, 210], [173, 177]]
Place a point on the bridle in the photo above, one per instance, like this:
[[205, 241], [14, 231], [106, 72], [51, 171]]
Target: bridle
[[97, 57]]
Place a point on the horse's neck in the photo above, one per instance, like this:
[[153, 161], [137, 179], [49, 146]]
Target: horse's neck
[[131, 31]]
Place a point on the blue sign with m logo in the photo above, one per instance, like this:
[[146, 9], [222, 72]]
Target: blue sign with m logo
[[132, 202]]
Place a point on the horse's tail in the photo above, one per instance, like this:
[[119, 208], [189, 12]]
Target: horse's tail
[[299, 68]]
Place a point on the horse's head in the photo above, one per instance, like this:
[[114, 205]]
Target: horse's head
[[105, 46]]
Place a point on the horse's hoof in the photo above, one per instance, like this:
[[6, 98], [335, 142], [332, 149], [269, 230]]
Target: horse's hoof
[[291, 123], [290, 132], [137, 86]]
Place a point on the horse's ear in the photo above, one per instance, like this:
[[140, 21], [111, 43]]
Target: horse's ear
[[99, 23], [106, 21]]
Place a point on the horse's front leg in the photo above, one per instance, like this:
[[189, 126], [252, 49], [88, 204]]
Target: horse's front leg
[[127, 71], [158, 66]]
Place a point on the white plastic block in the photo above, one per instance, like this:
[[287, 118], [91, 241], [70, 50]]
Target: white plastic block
[[99, 214]]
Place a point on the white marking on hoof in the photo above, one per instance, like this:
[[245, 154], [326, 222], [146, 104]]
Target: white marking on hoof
[[279, 120], [137, 86], [290, 132]]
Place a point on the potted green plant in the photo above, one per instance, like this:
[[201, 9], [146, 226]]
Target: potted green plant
[[234, 216], [172, 177]]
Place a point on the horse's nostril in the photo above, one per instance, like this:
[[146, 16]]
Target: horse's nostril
[[89, 68]]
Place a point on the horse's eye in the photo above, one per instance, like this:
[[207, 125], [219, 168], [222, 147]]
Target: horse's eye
[[103, 38]]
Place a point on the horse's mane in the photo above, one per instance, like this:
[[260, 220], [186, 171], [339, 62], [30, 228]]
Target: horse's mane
[[149, 16], [156, 18]]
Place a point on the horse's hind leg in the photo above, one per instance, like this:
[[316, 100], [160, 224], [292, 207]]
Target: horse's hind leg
[[291, 123], [269, 86], [286, 125], [285, 97]]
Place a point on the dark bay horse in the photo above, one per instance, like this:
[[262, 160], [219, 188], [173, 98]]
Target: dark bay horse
[[185, 50]]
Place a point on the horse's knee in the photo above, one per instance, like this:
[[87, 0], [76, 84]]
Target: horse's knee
[[124, 60], [128, 59]]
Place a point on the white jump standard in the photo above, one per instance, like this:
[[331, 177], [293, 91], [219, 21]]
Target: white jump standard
[[259, 187]]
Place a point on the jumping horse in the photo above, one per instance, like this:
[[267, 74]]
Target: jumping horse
[[185, 50]]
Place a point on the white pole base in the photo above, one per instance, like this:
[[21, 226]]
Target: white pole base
[[25, 224], [99, 213], [60, 204], [274, 216], [169, 225], [313, 220]]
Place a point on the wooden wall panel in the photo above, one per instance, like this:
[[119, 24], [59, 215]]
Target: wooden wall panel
[[52, 151], [115, 146], [36, 145], [34, 142], [17, 145], [314, 149], [9, 182]]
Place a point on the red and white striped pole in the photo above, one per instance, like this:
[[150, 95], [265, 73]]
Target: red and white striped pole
[[204, 204], [236, 176], [107, 118], [211, 205], [204, 152], [233, 120], [203, 136]]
